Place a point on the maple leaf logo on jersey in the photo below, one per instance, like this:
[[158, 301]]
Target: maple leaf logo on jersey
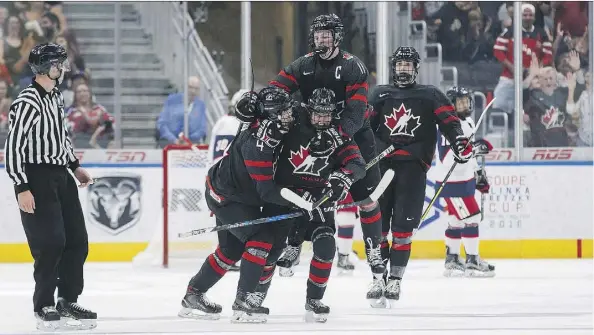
[[402, 122], [304, 163], [552, 118]]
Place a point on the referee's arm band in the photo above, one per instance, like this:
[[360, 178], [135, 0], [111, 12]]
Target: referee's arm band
[[74, 165], [22, 188]]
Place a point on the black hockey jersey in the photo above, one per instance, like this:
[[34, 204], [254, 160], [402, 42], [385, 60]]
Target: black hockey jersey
[[345, 74], [245, 174], [296, 168], [548, 115], [407, 118]]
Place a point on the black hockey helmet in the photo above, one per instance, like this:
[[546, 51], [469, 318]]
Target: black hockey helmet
[[405, 76], [462, 100], [43, 56], [330, 22], [277, 105], [321, 107]]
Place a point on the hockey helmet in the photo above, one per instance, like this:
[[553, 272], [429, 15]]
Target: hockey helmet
[[235, 99], [405, 63], [277, 105], [44, 56], [325, 34], [462, 100], [321, 107]]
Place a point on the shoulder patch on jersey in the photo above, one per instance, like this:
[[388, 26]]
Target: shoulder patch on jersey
[[347, 55], [309, 54], [402, 122]]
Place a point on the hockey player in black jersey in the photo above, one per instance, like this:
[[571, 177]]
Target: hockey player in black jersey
[[405, 115], [298, 170], [330, 67], [236, 188]]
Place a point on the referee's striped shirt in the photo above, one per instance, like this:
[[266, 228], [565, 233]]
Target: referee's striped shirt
[[37, 133]]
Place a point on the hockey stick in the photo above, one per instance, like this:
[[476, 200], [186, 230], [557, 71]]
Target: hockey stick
[[379, 190], [482, 164], [443, 183]]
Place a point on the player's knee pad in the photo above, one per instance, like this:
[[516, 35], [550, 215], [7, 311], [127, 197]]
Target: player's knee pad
[[323, 242], [401, 240]]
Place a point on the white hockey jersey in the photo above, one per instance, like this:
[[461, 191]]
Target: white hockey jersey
[[222, 134], [462, 181]]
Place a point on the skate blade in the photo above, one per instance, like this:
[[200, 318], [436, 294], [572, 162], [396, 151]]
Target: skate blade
[[311, 317], [48, 326], [243, 317], [453, 273], [67, 323], [378, 303], [285, 272], [190, 313], [472, 273]]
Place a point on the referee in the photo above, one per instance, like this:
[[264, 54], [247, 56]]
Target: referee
[[38, 153]]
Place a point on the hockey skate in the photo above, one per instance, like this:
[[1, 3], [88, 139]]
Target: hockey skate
[[74, 316], [344, 264], [195, 305], [374, 259], [288, 261], [375, 295], [316, 311], [48, 319], [476, 267], [247, 309], [392, 292], [453, 266]]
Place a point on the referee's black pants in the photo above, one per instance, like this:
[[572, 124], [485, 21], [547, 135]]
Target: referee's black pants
[[56, 234]]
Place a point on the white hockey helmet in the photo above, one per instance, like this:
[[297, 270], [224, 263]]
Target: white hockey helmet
[[235, 100]]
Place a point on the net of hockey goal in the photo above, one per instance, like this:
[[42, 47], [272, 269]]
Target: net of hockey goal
[[184, 209]]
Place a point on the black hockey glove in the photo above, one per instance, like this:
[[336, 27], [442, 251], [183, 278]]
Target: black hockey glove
[[482, 183], [269, 133], [247, 107], [316, 215], [340, 183], [482, 147], [462, 149], [325, 142]]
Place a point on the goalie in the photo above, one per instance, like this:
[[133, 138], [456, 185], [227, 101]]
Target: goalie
[[459, 193]]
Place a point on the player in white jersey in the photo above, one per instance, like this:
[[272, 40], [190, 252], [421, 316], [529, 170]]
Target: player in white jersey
[[224, 130], [463, 210]]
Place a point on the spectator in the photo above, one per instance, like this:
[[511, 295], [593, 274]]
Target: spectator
[[56, 8], [50, 24], [534, 40], [90, 123], [3, 17], [547, 109], [171, 120], [5, 102], [15, 51], [581, 111]]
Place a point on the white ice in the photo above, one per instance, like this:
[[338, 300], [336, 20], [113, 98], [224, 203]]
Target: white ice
[[526, 297]]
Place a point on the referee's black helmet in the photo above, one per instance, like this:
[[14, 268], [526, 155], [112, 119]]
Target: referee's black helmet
[[43, 56]]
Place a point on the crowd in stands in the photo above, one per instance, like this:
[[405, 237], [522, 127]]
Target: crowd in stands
[[26, 24], [555, 61]]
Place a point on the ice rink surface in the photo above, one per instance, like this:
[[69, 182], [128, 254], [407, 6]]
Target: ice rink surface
[[526, 297]]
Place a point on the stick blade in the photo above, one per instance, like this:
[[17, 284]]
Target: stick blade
[[296, 199], [383, 185]]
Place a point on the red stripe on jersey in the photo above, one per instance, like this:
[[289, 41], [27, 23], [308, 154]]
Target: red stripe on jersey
[[359, 97], [357, 86], [260, 177], [353, 147], [349, 158], [445, 108], [280, 85], [257, 163], [288, 76], [450, 119]]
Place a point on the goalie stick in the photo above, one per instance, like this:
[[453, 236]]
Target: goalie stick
[[443, 183], [379, 190]]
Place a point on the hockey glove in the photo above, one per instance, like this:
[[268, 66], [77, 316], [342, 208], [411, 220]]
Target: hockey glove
[[340, 183], [325, 143], [482, 147], [462, 149], [482, 183], [247, 107], [316, 215], [269, 133]]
